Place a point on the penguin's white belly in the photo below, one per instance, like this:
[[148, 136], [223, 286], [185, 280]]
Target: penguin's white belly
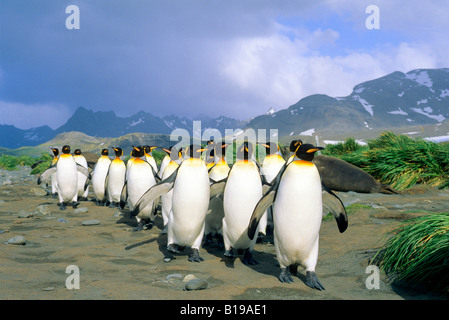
[[297, 214], [242, 192], [140, 179], [67, 178], [99, 178], [190, 202], [116, 180], [81, 177]]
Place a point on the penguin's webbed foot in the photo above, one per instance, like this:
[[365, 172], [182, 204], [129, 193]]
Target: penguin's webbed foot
[[148, 225], [54, 195], [164, 229], [285, 276], [248, 258], [173, 248], [113, 204], [220, 241], [312, 281], [194, 256], [139, 226], [229, 254], [62, 206], [75, 204]]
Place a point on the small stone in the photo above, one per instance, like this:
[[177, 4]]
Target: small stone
[[167, 259], [196, 284], [188, 277], [38, 191], [48, 289], [173, 275], [62, 220], [81, 210], [25, 214], [7, 182], [19, 240], [90, 222], [43, 209]]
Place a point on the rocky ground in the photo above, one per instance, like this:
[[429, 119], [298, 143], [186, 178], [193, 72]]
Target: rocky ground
[[115, 262]]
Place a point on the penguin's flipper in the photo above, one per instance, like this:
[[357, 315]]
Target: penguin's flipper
[[217, 187], [45, 176], [154, 192], [269, 195], [83, 170], [264, 203], [124, 195], [333, 204]]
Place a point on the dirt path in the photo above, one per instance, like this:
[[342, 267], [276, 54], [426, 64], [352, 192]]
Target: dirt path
[[117, 263]]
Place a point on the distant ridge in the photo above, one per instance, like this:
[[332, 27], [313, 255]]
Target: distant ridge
[[398, 100]]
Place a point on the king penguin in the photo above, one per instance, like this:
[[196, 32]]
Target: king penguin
[[166, 160], [67, 177], [297, 194], [83, 190], [54, 181], [116, 178], [174, 157], [242, 191], [99, 176], [191, 191], [150, 159], [215, 213], [140, 179], [271, 165]]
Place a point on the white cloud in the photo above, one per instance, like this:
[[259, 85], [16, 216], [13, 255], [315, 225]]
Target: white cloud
[[26, 116]]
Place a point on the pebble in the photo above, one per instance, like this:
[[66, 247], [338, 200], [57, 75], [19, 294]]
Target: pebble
[[173, 275], [38, 191], [90, 222], [43, 209], [62, 220], [189, 277], [196, 284], [19, 240], [48, 289], [24, 214], [81, 210]]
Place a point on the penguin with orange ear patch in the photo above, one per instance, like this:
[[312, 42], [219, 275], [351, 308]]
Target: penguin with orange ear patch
[[297, 197]]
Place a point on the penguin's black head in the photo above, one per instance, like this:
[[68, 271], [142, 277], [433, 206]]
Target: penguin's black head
[[307, 151], [138, 152], [194, 151], [55, 151], [270, 148], [245, 151], [77, 152], [148, 149], [295, 144], [220, 149], [118, 151], [66, 149], [174, 153], [104, 152]]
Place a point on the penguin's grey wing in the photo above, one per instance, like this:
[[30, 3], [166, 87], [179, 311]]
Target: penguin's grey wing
[[124, 195], [334, 205], [83, 170], [155, 174], [154, 192], [265, 202], [45, 176], [217, 187]]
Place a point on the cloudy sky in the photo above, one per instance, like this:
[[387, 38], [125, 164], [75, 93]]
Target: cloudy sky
[[236, 58]]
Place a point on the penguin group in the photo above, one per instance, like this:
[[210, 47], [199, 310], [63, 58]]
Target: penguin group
[[200, 196]]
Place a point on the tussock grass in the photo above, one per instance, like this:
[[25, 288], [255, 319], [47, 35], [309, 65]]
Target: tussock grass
[[399, 160], [417, 252]]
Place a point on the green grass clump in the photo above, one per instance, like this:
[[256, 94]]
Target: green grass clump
[[11, 163], [400, 161], [417, 252]]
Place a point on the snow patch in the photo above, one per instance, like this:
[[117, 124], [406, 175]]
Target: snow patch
[[135, 123], [425, 112], [271, 111], [421, 101], [399, 111], [368, 107], [444, 93], [401, 94], [307, 132], [422, 77]]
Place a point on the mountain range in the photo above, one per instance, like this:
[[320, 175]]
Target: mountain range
[[398, 100]]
